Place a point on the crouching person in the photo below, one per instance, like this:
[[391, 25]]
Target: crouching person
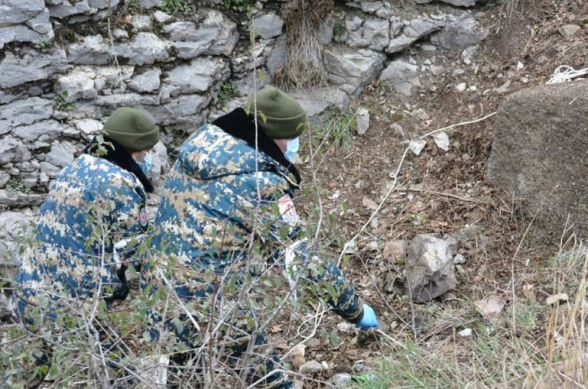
[[73, 273], [226, 213]]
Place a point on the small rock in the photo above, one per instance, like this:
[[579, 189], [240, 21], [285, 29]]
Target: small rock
[[459, 259], [465, 333], [344, 326], [311, 367], [569, 30], [461, 87], [297, 356], [341, 380], [363, 120]]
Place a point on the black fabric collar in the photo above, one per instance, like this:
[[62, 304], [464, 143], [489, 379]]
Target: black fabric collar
[[242, 126], [118, 155]]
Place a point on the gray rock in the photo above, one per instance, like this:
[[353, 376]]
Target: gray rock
[[374, 33], [198, 76], [539, 153], [61, 154], [66, 9], [26, 111], [15, 228], [147, 4], [459, 34], [341, 380], [352, 70], [146, 82], [91, 51], [18, 200], [19, 11], [13, 150], [267, 26], [146, 48], [311, 367], [402, 76], [45, 131], [78, 84], [32, 66], [429, 267]]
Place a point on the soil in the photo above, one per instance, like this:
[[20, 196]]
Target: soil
[[378, 194]]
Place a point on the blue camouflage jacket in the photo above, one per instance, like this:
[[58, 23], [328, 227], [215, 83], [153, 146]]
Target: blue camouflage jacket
[[221, 195], [91, 205]]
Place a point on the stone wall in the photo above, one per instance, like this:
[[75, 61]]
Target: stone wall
[[57, 92], [65, 65]]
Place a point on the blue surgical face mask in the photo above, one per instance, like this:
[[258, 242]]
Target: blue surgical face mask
[[292, 149], [146, 166]]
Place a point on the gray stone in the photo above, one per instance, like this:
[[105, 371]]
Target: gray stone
[[311, 367], [278, 56], [216, 35], [88, 127], [102, 4], [184, 110], [459, 34], [539, 154], [145, 49], [61, 154], [569, 30], [413, 31], [267, 25], [199, 76], [146, 82], [352, 70], [13, 150], [66, 9], [429, 267], [141, 22], [341, 380], [15, 228], [32, 66], [91, 51], [4, 177], [24, 112], [374, 33], [78, 84], [402, 76], [44, 131], [147, 4], [19, 11], [18, 200], [319, 100], [162, 17], [125, 99]]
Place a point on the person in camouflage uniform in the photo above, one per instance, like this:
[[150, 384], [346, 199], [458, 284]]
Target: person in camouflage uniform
[[96, 201], [227, 201]]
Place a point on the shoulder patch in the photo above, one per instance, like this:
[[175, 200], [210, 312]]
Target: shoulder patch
[[143, 222], [287, 210]]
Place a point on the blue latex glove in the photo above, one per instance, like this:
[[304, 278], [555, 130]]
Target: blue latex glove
[[369, 318]]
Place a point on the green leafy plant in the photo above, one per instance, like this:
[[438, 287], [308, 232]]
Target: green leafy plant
[[175, 6], [60, 103], [238, 5], [15, 185]]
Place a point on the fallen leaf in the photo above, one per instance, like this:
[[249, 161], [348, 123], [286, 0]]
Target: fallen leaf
[[491, 307], [555, 298], [276, 328], [369, 203]]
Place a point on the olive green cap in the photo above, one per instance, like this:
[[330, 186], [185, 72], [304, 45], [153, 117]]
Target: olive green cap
[[284, 116], [132, 129]]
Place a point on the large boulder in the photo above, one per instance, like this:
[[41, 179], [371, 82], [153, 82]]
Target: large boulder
[[540, 153]]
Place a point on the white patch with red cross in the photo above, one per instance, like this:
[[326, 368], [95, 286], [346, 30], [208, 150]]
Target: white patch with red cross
[[287, 210]]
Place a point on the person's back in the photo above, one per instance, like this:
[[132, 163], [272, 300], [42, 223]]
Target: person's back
[[226, 212]]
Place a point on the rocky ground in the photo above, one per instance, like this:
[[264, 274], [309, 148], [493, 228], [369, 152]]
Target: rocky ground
[[383, 197]]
